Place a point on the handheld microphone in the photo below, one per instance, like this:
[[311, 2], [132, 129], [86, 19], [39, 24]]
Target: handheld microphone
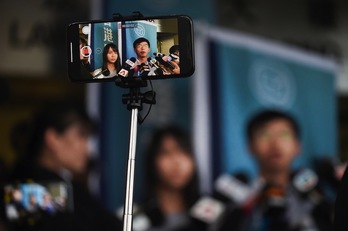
[[152, 62], [273, 197], [144, 69], [129, 65], [174, 56], [273, 203], [158, 54], [232, 188], [154, 68], [164, 60], [104, 72], [330, 171], [207, 209], [305, 182]]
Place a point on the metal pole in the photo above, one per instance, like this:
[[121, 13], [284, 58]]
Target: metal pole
[[128, 205]]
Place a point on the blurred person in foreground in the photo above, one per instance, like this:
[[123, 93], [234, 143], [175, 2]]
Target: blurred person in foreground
[[171, 182], [285, 200], [341, 208], [57, 151]]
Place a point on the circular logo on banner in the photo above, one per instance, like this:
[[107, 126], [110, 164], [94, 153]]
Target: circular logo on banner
[[98, 51], [272, 84], [140, 30]]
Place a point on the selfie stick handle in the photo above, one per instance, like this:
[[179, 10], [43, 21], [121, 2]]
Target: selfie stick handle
[[134, 101], [128, 205]]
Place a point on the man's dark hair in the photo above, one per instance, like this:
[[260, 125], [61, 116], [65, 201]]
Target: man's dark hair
[[261, 119], [58, 115], [173, 49], [140, 40]]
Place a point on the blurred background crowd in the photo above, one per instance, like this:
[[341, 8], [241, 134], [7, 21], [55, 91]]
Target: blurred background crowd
[[254, 140]]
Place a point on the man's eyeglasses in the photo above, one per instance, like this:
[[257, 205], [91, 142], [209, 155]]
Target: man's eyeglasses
[[142, 46]]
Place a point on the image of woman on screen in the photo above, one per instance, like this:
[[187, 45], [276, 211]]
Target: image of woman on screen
[[111, 63]]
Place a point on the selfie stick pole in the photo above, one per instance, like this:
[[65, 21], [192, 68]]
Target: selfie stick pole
[[134, 101], [128, 204]]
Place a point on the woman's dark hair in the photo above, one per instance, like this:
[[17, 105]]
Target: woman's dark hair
[[57, 115], [259, 120], [105, 56], [191, 190]]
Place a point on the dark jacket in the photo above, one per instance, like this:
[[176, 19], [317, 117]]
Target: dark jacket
[[341, 208]]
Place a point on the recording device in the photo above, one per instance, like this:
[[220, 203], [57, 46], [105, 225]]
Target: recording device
[[25, 204], [111, 44]]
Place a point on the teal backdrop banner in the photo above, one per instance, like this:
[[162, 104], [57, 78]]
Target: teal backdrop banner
[[133, 30], [102, 34], [250, 75]]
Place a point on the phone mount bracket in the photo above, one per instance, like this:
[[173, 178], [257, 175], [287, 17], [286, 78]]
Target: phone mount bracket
[[134, 101], [135, 15]]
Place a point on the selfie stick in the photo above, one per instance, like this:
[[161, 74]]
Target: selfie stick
[[134, 100]]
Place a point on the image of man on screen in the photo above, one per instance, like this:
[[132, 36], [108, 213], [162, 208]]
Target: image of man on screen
[[142, 49]]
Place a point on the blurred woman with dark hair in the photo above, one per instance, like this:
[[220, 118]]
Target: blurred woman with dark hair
[[171, 180], [57, 151]]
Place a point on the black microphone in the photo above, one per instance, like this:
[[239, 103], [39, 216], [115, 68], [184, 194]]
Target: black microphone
[[317, 209], [273, 202], [234, 189], [164, 60], [152, 62], [144, 69], [154, 68], [128, 65], [104, 72], [205, 212], [328, 171], [158, 54]]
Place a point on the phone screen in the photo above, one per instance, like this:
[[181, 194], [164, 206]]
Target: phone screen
[[149, 48], [28, 201]]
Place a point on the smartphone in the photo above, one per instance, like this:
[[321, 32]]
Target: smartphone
[[150, 47], [25, 203]]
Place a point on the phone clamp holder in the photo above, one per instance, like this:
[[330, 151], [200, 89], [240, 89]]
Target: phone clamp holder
[[134, 101], [135, 15]]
